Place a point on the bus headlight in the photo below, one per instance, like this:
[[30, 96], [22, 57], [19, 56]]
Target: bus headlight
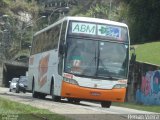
[[71, 81], [120, 86]]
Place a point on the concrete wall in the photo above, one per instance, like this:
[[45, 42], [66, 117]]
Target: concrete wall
[[144, 84], [148, 92], [9, 71]]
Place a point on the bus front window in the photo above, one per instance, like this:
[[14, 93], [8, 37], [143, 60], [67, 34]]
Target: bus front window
[[95, 58], [81, 57], [113, 60]]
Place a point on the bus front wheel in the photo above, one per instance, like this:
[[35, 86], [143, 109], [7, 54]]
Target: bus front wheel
[[71, 100], [34, 93], [106, 104], [54, 97]]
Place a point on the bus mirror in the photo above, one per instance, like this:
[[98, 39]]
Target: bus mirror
[[132, 48], [61, 49]]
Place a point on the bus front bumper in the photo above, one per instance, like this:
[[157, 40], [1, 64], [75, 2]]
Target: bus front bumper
[[83, 93]]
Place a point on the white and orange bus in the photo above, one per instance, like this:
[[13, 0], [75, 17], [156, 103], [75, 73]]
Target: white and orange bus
[[80, 58]]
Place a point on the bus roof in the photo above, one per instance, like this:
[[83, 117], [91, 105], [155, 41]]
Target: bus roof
[[85, 19], [97, 20]]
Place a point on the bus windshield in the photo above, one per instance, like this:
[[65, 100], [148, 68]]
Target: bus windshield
[[95, 58]]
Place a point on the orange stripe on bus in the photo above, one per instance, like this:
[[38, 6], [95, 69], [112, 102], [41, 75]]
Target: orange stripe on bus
[[75, 91]]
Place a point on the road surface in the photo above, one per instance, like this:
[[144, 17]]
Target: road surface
[[82, 111]]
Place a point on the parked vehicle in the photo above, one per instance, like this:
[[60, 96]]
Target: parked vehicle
[[13, 83], [21, 84]]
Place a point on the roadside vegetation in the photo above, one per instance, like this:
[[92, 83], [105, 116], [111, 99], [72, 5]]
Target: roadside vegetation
[[149, 108], [15, 110], [148, 52], [142, 26]]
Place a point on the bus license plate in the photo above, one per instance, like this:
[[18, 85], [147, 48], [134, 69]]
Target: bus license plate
[[95, 93]]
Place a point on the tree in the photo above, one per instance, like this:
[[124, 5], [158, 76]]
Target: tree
[[143, 19]]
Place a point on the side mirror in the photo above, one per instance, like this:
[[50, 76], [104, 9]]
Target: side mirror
[[62, 49], [133, 55], [132, 48]]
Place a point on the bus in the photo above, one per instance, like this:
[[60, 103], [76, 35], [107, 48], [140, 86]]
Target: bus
[[80, 58]]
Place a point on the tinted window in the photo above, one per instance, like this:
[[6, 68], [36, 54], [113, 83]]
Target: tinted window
[[62, 40], [46, 40]]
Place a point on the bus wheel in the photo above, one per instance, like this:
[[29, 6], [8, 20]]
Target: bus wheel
[[77, 101], [70, 100], [34, 93], [42, 96], [106, 104], [54, 97]]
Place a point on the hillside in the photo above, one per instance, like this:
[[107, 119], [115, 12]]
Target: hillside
[[148, 52]]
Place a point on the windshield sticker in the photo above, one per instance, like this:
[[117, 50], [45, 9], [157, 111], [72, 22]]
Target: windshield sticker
[[126, 46], [102, 43], [85, 28], [109, 31]]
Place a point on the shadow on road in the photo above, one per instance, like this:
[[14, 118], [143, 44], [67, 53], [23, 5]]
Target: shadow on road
[[28, 97]]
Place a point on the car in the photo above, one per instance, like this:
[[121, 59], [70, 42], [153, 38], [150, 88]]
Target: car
[[21, 84], [13, 83]]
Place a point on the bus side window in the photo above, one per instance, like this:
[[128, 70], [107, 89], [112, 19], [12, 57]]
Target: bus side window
[[61, 43], [63, 33], [47, 40], [33, 45], [56, 36]]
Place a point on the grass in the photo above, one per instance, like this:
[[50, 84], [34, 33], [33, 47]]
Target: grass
[[149, 108], [20, 111], [15, 110], [148, 52]]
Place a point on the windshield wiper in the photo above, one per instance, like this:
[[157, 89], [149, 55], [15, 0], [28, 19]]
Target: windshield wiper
[[109, 77], [82, 75]]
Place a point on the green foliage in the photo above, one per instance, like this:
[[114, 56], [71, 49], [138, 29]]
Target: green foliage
[[150, 108], [142, 16], [99, 11], [148, 52], [26, 112], [18, 34], [6, 2], [21, 5], [93, 8], [143, 19]]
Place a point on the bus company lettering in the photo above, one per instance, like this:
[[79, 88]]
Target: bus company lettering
[[85, 28], [43, 68]]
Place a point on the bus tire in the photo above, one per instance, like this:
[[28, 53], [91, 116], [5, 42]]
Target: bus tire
[[70, 100], [54, 97], [106, 104], [34, 93], [42, 96], [76, 101]]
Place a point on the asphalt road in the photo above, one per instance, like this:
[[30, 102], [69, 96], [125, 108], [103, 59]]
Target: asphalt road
[[82, 111]]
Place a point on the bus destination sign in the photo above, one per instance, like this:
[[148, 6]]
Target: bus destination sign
[[85, 28], [109, 31], [96, 30]]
